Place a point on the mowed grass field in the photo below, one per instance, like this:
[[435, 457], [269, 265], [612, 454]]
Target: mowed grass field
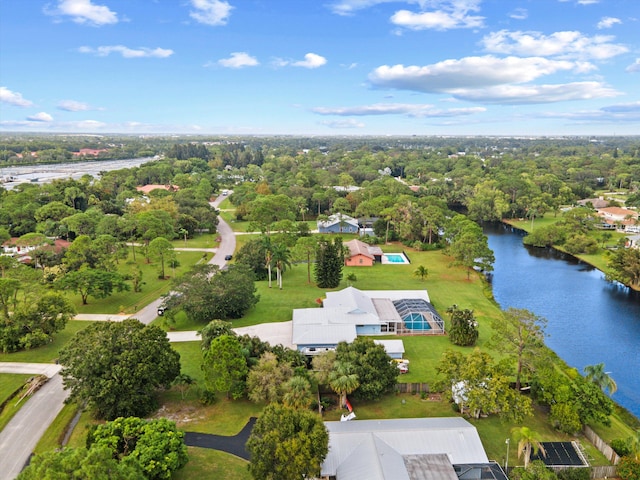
[[446, 285]]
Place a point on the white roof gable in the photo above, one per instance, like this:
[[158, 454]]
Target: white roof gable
[[350, 299], [454, 437]]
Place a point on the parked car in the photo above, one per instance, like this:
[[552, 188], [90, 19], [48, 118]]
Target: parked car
[[228, 257]]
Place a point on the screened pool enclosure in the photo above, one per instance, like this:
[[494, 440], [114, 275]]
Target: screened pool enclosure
[[418, 316]]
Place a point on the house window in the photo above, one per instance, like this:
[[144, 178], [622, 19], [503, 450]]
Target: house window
[[360, 261]]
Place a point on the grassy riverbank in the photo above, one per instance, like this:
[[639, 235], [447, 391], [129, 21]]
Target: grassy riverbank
[[599, 259], [446, 285]]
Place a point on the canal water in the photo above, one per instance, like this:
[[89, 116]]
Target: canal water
[[589, 319]]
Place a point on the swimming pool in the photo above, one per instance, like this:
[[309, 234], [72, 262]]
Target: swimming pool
[[397, 258], [416, 321]]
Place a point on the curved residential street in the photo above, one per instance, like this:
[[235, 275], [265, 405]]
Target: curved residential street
[[20, 436]]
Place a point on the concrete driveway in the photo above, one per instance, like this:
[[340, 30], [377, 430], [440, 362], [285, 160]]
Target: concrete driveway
[[273, 333]]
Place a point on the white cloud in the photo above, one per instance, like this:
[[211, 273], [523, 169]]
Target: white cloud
[[311, 60], [438, 20], [608, 22], [73, 106], [239, 60], [211, 12], [530, 94], [343, 124], [13, 98], [634, 67], [519, 14], [348, 7], [84, 12], [127, 52], [588, 2], [40, 117], [468, 72], [410, 110], [567, 44]]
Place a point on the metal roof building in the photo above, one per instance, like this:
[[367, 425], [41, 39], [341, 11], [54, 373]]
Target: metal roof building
[[351, 312], [401, 449]]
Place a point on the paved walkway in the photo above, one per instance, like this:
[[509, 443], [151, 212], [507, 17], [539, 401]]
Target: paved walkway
[[48, 369]]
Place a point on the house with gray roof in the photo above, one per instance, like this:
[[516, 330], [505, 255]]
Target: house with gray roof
[[407, 449], [338, 223], [351, 312]]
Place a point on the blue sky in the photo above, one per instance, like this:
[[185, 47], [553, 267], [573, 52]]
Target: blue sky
[[321, 67]]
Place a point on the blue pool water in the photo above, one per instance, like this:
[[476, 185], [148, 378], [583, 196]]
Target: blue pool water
[[395, 258], [416, 321]]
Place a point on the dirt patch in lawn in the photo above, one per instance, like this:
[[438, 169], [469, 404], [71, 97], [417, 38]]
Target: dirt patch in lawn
[[180, 414]]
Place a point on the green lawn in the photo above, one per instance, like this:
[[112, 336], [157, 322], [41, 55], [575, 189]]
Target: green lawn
[[129, 301], [200, 240], [204, 463], [47, 353], [445, 284], [9, 384]]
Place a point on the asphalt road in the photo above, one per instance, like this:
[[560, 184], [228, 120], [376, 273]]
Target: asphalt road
[[22, 433], [20, 436]]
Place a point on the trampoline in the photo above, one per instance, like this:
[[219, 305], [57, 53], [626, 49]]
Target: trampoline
[[565, 454]]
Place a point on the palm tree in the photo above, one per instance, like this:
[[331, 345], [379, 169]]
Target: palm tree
[[281, 258], [268, 254], [597, 375], [421, 272], [528, 442], [343, 381], [297, 393]]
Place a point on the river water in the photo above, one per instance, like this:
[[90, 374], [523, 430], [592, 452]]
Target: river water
[[46, 173], [589, 319]]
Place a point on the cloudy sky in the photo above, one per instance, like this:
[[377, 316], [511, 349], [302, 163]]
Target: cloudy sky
[[328, 67]]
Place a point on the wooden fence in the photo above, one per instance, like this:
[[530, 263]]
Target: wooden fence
[[601, 445], [412, 387], [604, 472]]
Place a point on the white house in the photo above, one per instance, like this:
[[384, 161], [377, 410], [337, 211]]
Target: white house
[[351, 312], [407, 449]]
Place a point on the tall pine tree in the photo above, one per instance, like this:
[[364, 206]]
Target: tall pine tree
[[329, 262]]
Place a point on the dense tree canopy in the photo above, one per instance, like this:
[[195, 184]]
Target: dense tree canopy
[[68, 463], [329, 262], [225, 366], [287, 444], [206, 293], [519, 334], [156, 445], [118, 366], [376, 373]]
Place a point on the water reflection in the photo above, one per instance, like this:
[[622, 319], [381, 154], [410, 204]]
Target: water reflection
[[590, 320]]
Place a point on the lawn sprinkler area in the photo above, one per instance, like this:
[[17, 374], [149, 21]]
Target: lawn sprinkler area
[[395, 259]]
